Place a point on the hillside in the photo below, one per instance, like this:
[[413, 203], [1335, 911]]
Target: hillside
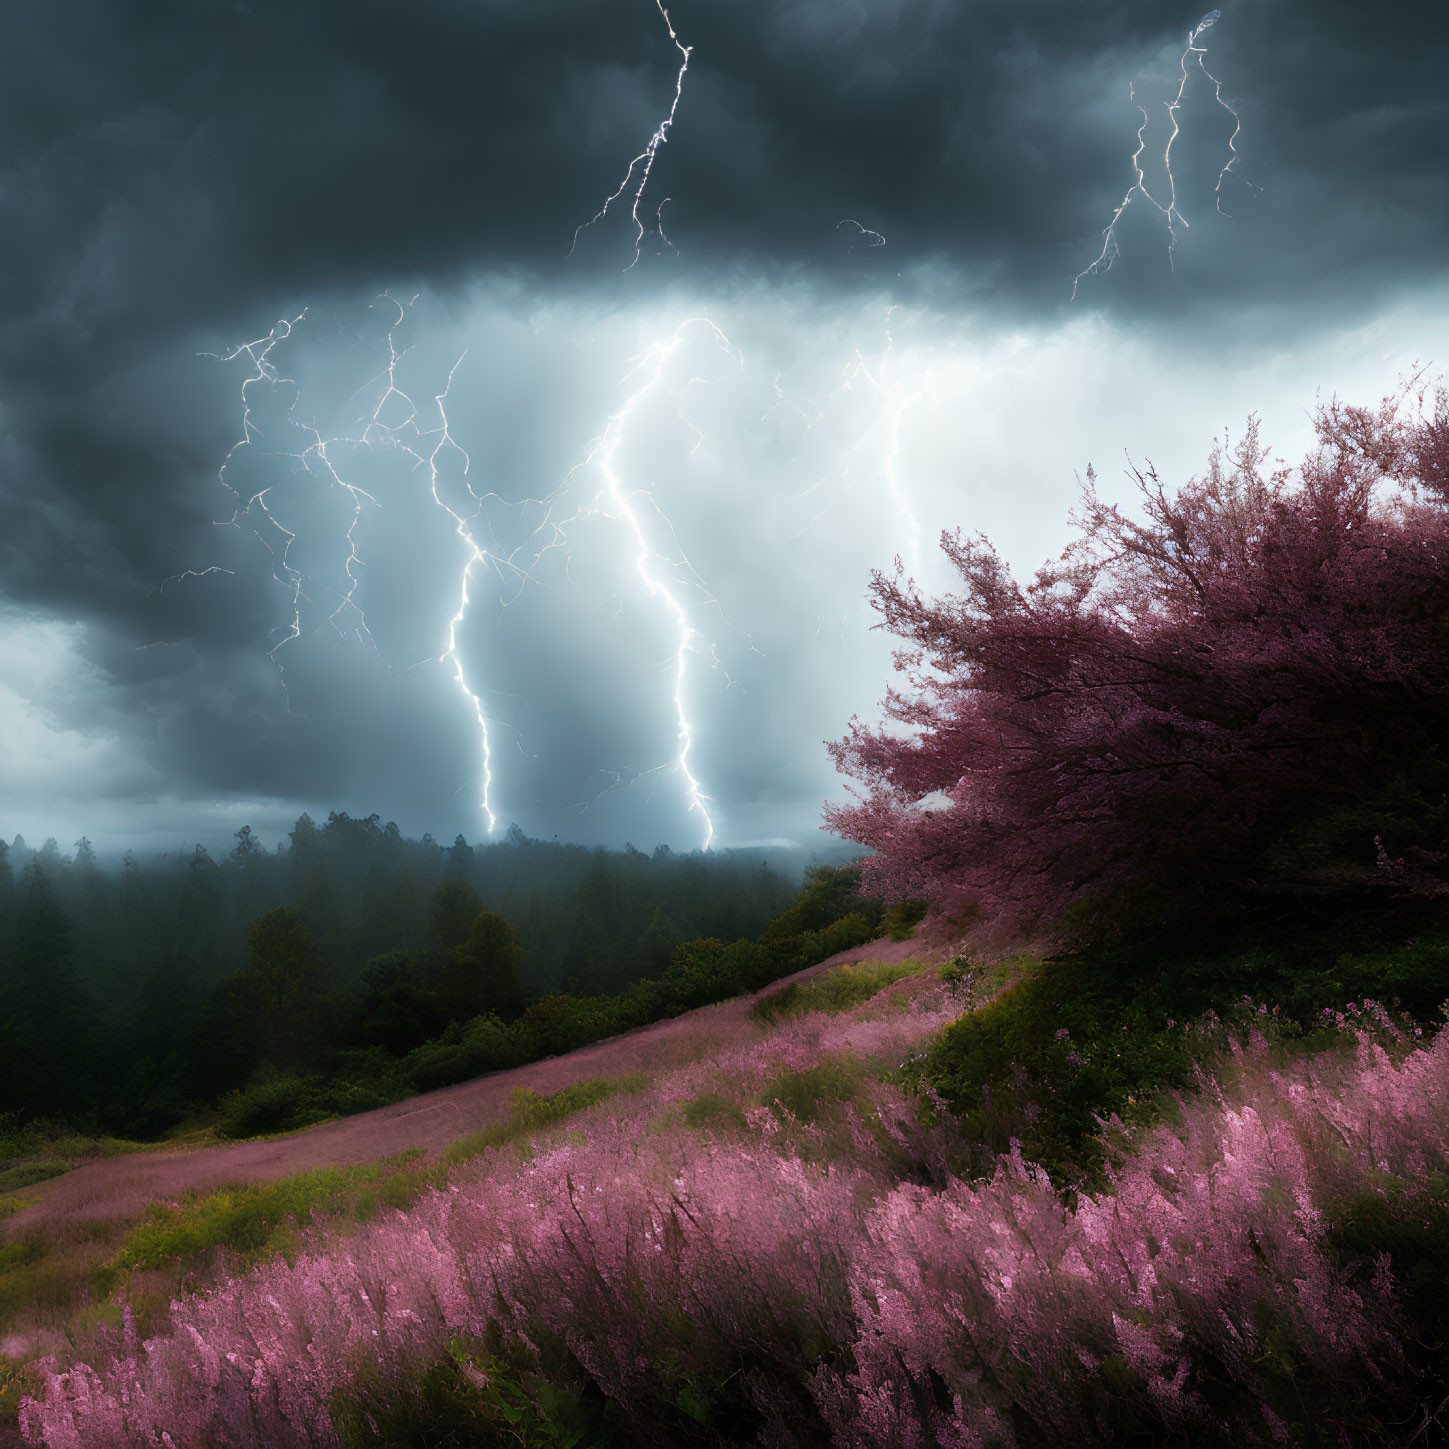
[[117, 1188], [758, 1224]]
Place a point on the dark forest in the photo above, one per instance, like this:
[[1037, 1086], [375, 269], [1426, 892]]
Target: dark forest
[[353, 965]]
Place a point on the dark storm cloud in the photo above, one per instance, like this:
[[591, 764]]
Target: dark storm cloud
[[168, 168], [170, 173], [168, 161]]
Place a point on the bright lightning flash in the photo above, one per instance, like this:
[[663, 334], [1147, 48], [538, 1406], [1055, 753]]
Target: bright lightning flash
[[395, 423], [658, 571], [1169, 211]]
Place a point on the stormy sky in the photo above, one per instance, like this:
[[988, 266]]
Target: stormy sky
[[296, 344]]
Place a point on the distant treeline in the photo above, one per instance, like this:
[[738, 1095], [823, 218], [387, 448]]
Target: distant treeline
[[349, 966]]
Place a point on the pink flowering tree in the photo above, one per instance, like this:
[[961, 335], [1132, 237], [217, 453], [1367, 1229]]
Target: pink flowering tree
[[1237, 701]]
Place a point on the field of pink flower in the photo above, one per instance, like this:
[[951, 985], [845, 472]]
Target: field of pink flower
[[772, 1245]]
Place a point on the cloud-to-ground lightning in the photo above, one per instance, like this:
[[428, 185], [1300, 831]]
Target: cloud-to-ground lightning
[[643, 163], [395, 422], [657, 569], [1110, 251]]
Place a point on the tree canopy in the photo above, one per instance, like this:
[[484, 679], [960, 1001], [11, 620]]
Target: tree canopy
[[1238, 703]]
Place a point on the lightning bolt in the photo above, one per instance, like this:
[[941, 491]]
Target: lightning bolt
[[312, 458], [898, 401], [1110, 250], [658, 571], [188, 574], [395, 423], [644, 161]]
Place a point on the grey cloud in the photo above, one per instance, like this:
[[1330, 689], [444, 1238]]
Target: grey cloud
[[174, 176]]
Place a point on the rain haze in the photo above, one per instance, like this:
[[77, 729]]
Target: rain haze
[[357, 456]]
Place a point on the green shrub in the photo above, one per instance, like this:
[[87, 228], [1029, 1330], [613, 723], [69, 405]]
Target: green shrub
[[258, 1220], [1050, 1055], [249, 1219], [473, 1397], [27, 1174], [1416, 974], [713, 1112], [901, 920], [560, 1023], [274, 1102], [467, 1050], [803, 1091], [19, 1138]]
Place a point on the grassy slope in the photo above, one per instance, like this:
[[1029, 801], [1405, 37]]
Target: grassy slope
[[1050, 1049], [85, 1220]]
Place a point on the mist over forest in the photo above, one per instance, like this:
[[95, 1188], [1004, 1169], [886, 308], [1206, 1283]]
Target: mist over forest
[[136, 995]]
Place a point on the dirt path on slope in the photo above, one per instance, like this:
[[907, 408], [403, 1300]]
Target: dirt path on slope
[[115, 1188]]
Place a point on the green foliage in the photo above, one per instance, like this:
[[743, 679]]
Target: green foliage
[[1412, 1229], [901, 920], [713, 1112], [39, 1273], [1050, 1055], [473, 1397], [19, 1137], [531, 1111], [274, 1101], [480, 974], [32, 1152], [284, 990], [803, 1091], [18, 1259], [285, 1101], [396, 1003], [27, 1174], [700, 972], [47, 1045], [1103, 1032], [17, 1381], [257, 1220], [1415, 973], [253, 1220], [834, 991], [560, 1024], [454, 908], [307, 1028], [830, 892]]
